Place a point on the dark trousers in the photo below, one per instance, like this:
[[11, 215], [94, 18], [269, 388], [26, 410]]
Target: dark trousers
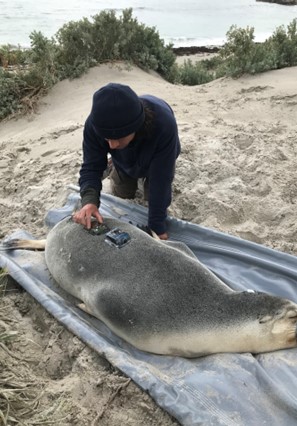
[[124, 186]]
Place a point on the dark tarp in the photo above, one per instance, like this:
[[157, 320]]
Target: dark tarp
[[222, 389]]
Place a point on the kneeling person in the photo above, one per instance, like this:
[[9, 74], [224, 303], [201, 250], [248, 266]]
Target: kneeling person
[[140, 134]]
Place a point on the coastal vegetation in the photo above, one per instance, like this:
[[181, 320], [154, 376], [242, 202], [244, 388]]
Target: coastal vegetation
[[27, 74]]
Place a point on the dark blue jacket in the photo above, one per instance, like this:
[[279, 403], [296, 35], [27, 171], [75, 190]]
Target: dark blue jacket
[[152, 156]]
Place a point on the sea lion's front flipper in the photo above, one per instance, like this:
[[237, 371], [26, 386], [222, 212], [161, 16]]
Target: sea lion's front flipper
[[16, 244], [84, 308]]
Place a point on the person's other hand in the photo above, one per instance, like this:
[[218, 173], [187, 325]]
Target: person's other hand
[[85, 214], [163, 236]]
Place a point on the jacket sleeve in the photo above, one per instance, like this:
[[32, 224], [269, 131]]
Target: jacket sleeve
[[93, 166], [161, 174]]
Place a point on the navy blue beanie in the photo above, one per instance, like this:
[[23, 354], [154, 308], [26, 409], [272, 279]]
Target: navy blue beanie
[[116, 111]]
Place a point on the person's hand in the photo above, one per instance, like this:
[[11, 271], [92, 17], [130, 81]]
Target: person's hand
[[163, 236], [85, 214]]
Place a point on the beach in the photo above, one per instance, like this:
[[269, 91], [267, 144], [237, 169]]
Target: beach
[[236, 174]]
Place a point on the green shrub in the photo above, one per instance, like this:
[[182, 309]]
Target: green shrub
[[283, 44], [199, 72], [242, 55], [191, 74], [10, 55], [79, 45], [83, 44], [107, 34], [43, 60], [33, 75], [11, 88], [75, 48], [239, 50], [143, 46]]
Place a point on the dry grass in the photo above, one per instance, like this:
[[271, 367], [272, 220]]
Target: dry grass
[[22, 394]]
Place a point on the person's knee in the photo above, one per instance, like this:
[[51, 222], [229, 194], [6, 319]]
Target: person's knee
[[122, 185], [143, 186]]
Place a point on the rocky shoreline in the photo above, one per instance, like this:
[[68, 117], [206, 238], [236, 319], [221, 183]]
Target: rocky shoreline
[[283, 2], [193, 50]]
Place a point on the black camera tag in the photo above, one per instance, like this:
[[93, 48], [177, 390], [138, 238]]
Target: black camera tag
[[117, 238]]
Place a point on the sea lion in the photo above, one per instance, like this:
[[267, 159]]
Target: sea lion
[[157, 296]]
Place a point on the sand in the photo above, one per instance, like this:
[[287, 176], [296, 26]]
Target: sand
[[236, 174]]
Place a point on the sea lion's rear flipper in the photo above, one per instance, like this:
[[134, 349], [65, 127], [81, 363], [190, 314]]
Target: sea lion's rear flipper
[[17, 244]]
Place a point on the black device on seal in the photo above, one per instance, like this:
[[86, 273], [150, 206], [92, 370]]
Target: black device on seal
[[118, 238], [98, 228]]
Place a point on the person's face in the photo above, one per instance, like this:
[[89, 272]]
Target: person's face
[[120, 143]]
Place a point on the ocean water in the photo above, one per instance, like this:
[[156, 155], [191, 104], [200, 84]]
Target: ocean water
[[182, 22]]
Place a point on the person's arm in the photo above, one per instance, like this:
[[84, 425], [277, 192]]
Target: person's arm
[[93, 166], [85, 214], [161, 175]]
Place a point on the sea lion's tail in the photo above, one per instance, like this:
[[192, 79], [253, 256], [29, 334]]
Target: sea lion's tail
[[18, 244]]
